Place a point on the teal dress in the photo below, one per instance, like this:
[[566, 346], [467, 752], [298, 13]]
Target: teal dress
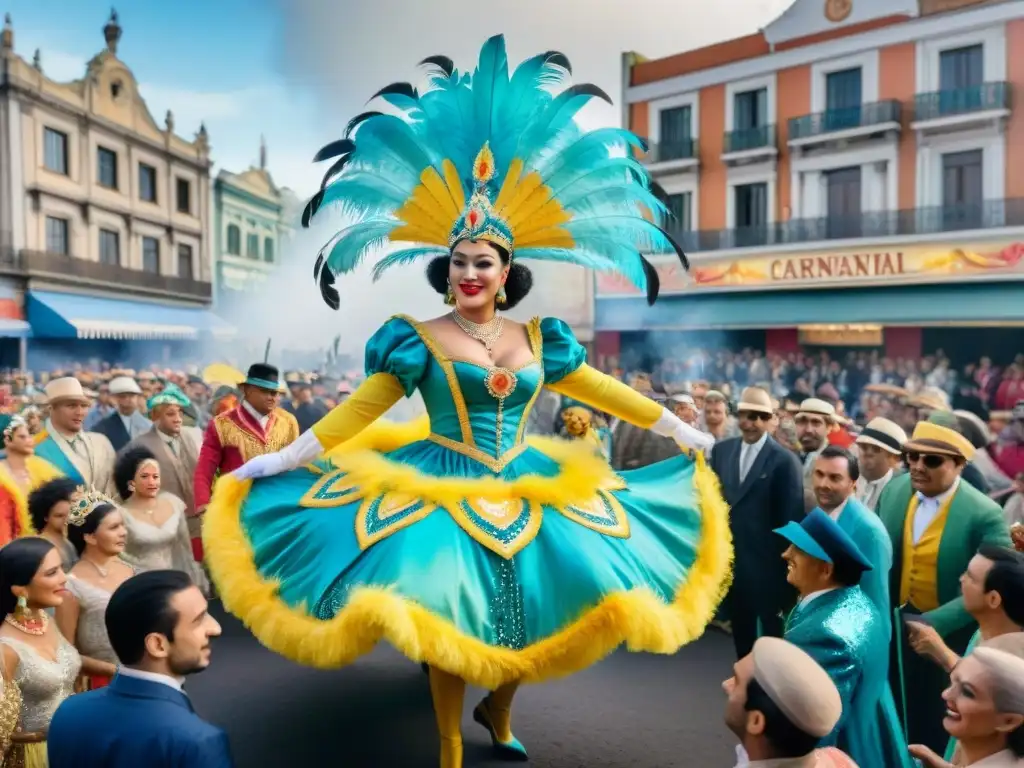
[[469, 547], [844, 632]]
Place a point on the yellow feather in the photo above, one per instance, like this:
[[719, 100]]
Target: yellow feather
[[434, 184], [550, 215], [525, 211], [509, 186], [454, 183], [552, 237], [638, 619], [522, 192], [412, 212], [414, 234]]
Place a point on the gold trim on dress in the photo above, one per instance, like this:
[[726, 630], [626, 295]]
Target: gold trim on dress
[[603, 514], [379, 517], [536, 341], [331, 490], [470, 452], [504, 526]]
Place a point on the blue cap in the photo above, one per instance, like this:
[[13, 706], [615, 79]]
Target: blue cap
[[821, 537]]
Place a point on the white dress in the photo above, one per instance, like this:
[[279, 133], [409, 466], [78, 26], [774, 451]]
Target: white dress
[[91, 637], [44, 684], [164, 547]]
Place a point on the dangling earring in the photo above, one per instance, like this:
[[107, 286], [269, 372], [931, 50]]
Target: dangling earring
[[131, 487], [501, 298], [449, 297], [22, 608]]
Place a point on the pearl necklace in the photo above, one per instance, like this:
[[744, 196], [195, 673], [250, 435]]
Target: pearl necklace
[[486, 333], [30, 626]]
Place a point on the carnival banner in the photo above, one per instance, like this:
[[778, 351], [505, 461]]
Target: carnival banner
[[865, 267]]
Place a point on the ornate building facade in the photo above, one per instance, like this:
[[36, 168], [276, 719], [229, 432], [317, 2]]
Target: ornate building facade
[[104, 213]]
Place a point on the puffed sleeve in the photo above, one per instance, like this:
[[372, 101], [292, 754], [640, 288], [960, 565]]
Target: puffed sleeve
[[397, 349], [562, 353]]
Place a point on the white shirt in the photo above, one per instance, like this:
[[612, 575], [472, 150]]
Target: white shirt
[[813, 595], [129, 424], [868, 491], [835, 513], [749, 452], [152, 677], [260, 418], [928, 509]]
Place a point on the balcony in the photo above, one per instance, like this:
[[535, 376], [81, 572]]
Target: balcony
[[749, 145], [962, 107], [672, 157], [872, 225], [861, 122], [58, 268]]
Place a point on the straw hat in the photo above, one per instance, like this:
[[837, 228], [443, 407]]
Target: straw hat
[[818, 407], [755, 399], [887, 435], [797, 685], [64, 390], [123, 385], [932, 438]]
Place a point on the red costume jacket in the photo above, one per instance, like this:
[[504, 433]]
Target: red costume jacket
[[232, 439]]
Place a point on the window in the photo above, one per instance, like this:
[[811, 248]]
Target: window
[[55, 151], [268, 250], [843, 219], [106, 168], [843, 96], [185, 261], [151, 255], [234, 240], [184, 196], [961, 68], [675, 125], [751, 214], [749, 120], [962, 191], [252, 246], [147, 183], [679, 217], [110, 247], [57, 240]]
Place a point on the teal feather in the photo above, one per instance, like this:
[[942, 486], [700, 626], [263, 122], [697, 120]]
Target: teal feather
[[490, 83], [589, 150], [350, 246], [624, 170], [364, 194], [616, 196], [405, 257]]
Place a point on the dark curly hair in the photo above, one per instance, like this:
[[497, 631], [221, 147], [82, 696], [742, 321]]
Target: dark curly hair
[[47, 496], [127, 465], [517, 285]]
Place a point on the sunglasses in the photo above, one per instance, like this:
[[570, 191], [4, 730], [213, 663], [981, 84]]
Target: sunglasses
[[754, 415], [930, 460]]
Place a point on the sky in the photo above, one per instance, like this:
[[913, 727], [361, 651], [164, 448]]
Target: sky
[[295, 71]]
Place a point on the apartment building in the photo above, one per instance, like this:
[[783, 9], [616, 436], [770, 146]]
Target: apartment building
[[104, 214], [852, 174]]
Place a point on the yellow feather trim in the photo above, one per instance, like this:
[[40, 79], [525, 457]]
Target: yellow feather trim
[[508, 187], [410, 233], [550, 216], [525, 211], [526, 187], [454, 183], [547, 238], [638, 618], [445, 205], [421, 210], [25, 527]]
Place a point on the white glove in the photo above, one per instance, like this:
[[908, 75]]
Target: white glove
[[688, 438], [298, 454]]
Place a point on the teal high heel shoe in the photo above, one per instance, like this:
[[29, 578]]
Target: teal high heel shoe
[[506, 750]]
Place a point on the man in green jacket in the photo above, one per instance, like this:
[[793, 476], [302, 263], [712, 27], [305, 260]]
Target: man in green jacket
[[936, 523]]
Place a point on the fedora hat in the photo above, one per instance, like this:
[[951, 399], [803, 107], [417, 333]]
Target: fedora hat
[[123, 385], [885, 434], [755, 399], [821, 537], [265, 377], [64, 390], [929, 437], [818, 407]]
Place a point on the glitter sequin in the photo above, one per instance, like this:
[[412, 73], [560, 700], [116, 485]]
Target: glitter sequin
[[507, 613]]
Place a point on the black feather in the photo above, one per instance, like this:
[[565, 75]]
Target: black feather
[[587, 89], [318, 265], [645, 145], [443, 63], [559, 59], [358, 119], [334, 170], [312, 207], [658, 190], [335, 148], [328, 291], [653, 281], [397, 89], [678, 249]]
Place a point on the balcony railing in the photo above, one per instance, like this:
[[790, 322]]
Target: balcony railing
[[961, 101], [844, 119], [57, 266], [874, 225], [669, 151], [744, 139]]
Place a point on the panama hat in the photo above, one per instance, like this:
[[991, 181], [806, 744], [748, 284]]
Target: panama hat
[[757, 400], [929, 437], [818, 407], [65, 389], [885, 434], [123, 385]]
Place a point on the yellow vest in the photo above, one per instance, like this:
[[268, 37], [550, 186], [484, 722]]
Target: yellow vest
[[919, 580]]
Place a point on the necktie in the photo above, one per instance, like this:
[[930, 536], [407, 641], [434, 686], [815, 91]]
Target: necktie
[[746, 459], [173, 448]]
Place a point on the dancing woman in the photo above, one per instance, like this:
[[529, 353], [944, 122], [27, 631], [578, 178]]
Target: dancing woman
[[493, 559]]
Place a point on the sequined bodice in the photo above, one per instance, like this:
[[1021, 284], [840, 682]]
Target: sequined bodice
[[44, 684], [151, 546], [91, 636]]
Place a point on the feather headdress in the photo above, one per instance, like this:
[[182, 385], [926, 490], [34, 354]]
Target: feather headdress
[[495, 157]]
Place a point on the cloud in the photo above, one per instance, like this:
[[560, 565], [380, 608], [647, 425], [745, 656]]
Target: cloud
[[62, 66]]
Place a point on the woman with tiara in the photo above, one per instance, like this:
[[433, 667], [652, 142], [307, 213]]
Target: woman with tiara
[[493, 559]]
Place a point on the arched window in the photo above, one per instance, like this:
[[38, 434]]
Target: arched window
[[234, 240], [268, 250]]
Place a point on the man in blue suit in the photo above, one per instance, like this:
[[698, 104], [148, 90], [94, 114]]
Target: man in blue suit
[[160, 629], [834, 478]]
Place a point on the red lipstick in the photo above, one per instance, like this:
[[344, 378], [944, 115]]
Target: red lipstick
[[469, 289]]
